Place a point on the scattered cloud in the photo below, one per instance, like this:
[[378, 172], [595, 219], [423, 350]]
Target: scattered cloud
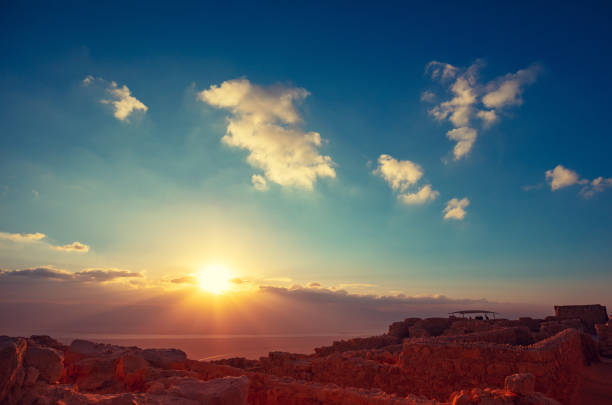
[[595, 186], [265, 122], [314, 284], [87, 275], [327, 295], [22, 237], [508, 90], [35, 193], [401, 175], [103, 275], [39, 237], [121, 98], [44, 272], [73, 247], [561, 177], [472, 99], [442, 71], [428, 96], [185, 280], [259, 182], [455, 208]]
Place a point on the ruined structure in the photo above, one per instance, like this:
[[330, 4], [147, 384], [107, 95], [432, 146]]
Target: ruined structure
[[588, 314], [434, 361]]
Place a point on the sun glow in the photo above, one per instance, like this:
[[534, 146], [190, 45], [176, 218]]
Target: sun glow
[[215, 279]]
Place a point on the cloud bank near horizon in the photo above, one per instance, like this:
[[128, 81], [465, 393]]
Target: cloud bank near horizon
[[44, 299]]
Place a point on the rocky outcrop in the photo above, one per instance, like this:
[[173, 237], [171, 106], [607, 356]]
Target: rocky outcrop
[[12, 372], [94, 373]]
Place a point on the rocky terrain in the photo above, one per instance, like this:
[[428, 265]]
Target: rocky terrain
[[418, 362]]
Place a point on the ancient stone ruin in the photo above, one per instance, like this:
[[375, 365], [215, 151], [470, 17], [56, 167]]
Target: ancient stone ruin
[[589, 315], [432, 361]]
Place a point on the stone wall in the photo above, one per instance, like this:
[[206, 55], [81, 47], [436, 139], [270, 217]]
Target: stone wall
[[588, 314], [373, 342], [438, 368]]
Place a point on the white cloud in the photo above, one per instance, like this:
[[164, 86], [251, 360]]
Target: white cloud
[[471, 99], [264, 122], [123, 102], [73, 247], [561, 177], [455, 208], [121, 99], [38, 237], [398, 173], [459, 109], [595, 186], [425, 194], [259, 182], [402, 174], [508, 90], [465, 138], [22, 237], [100, 275]]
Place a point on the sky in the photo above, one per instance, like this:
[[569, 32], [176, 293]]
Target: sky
[[419, 157]]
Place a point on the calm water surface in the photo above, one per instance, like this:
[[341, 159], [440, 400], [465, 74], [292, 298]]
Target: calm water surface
[[212, 347]]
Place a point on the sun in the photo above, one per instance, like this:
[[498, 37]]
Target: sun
[[215, 279]]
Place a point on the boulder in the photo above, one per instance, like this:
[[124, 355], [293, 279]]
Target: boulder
[[12, 372], [48, 362], [48, 341], [165, 358]]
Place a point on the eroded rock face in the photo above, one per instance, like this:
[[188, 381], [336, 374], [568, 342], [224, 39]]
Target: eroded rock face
[[12, 372], [103, 368]]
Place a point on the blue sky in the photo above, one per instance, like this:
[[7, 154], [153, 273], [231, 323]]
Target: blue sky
[[159, 192]]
